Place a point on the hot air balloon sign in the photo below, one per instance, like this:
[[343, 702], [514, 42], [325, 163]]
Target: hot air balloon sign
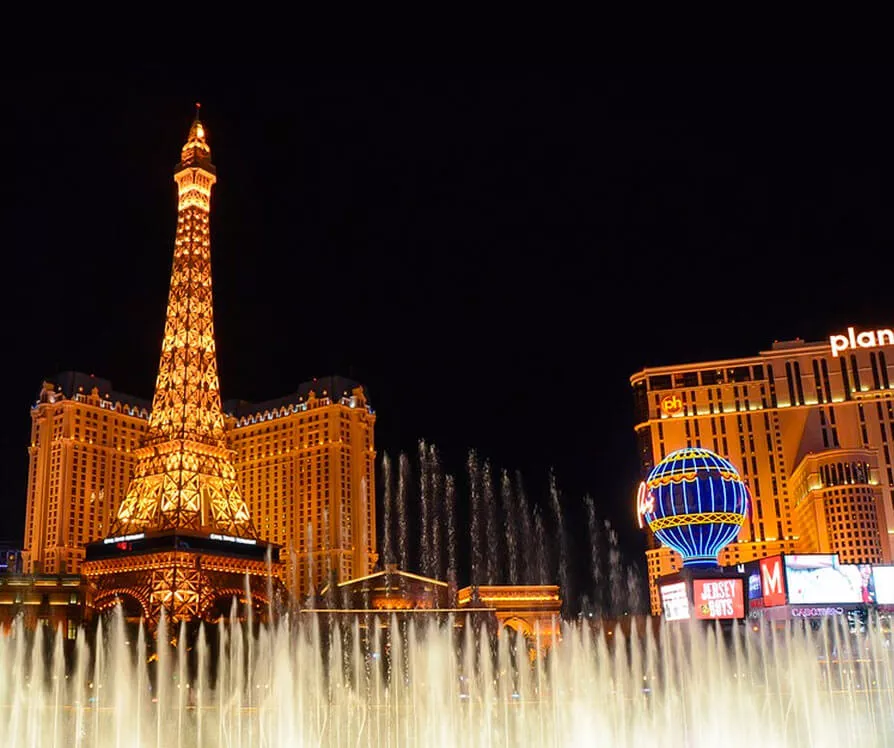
[[695, 502]]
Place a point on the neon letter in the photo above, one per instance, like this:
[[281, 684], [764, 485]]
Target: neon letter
[[838, 343], [772, 579], [866, 339]]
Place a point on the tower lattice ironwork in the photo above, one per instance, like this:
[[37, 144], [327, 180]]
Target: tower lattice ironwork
[[183, 540], [184, 476]]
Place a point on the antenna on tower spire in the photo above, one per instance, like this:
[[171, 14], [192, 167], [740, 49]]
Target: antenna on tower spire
[[198, 107]]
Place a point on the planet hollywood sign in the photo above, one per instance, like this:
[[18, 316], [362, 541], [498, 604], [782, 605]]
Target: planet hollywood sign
[[864, 339]]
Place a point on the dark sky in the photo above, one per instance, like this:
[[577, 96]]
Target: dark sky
[[493, 251]]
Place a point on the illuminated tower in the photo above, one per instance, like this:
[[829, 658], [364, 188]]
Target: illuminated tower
[[184, 476], [183, 519]]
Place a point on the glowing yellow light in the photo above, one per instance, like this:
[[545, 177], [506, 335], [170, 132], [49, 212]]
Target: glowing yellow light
[[200, 131]]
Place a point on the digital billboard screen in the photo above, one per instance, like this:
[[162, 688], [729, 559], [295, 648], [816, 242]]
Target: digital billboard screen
[[883, 577], [718, 599], [674, 601], [820, 579], [755, 592]]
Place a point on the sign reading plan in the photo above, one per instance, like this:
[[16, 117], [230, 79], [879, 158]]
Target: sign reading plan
[[718, 599], [864, 339]]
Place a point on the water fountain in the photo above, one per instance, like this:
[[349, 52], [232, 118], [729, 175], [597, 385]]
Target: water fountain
[[422, 684]]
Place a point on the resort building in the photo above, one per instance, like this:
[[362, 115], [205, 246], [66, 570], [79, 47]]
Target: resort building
[[808, 426]]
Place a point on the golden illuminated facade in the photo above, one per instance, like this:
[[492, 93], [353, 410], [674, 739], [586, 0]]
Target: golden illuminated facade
[[530, 609], [183, 539], [306, 466], [61, 603], [808, 425], [81, 457]]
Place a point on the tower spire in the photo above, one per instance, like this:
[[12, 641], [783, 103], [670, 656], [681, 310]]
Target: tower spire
[[184, 476]]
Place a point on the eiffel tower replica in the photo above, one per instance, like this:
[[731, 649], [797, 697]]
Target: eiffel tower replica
[[183, 541]]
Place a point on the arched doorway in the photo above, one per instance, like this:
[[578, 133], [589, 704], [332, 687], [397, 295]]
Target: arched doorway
[[221, 605]]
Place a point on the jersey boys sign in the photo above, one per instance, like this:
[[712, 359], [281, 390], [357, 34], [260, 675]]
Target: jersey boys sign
[[864, 339], [718, 599]]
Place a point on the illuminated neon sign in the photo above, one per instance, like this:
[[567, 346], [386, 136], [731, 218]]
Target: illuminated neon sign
[[231, 539], [865, 339], [671, 405], [124, 538], [645, 502]]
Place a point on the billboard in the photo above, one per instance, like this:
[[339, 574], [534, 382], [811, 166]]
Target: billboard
[[718, 599], [772, 581], [883, 579], [819, 579], [755, 592], [674, 601]]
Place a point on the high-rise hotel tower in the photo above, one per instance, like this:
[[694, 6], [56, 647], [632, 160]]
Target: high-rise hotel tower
[[810, 427], [303, 464]]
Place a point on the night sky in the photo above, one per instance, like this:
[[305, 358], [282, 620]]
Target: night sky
[[492, 251]]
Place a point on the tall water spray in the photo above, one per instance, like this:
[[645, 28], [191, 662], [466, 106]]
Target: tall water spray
[[616, 574], [510, 519], [438, 569], [540, 551], [525, 522], [450, 508], [474, 472], [425, 509], [492, 547], [387, 510], [403, 485], [558, 518]]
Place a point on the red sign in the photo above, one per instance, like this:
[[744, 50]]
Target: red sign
[[717, 599], [772, 581]]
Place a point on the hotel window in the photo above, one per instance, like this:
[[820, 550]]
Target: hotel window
[[662, 382], [791, 383], [799, 384], [876, 383], [856, 372]]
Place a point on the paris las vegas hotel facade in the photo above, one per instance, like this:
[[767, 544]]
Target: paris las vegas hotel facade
[[305, 462], [810, 427]]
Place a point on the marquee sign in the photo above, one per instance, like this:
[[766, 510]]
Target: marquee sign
[[718, 599], [864, 339]]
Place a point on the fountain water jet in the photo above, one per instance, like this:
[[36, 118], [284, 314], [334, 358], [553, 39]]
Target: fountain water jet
[[402, 681]]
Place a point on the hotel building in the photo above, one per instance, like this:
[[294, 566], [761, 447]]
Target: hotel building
[[810, 427], [305, 464]]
